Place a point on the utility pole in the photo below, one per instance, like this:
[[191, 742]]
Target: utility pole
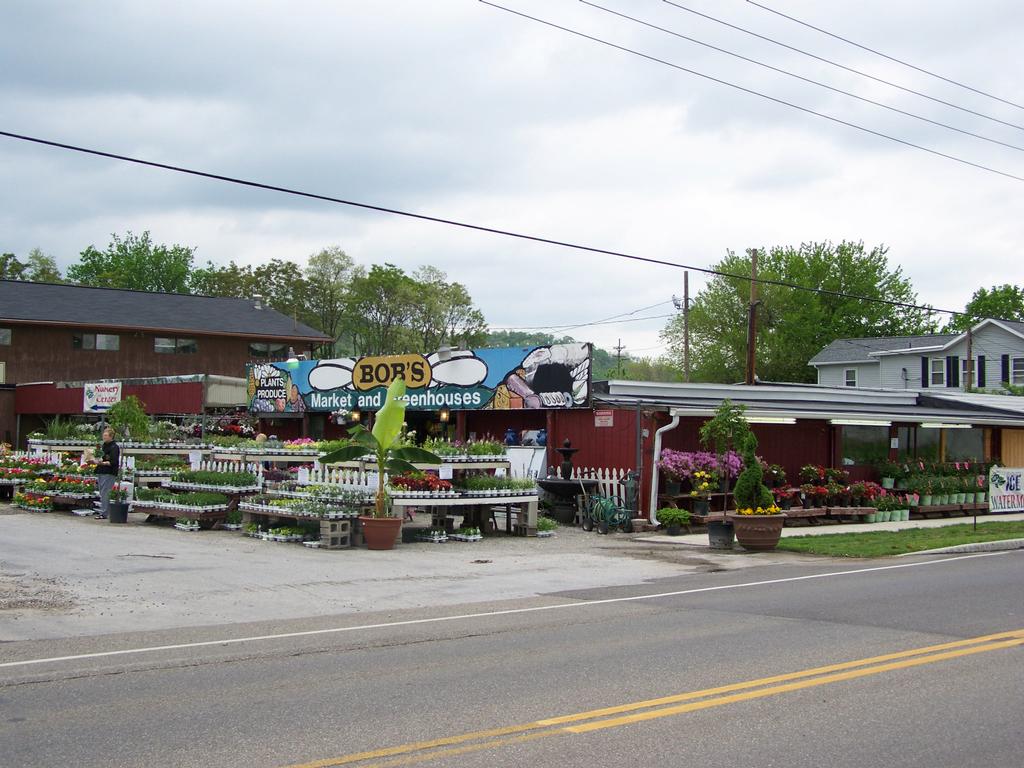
[[684, 305], [969, 375], [618, 358], [752, 318], [686, 326]]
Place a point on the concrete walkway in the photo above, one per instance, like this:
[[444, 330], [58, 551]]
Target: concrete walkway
[[700, 540]]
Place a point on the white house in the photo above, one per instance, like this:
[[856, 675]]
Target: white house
[[926, 362]]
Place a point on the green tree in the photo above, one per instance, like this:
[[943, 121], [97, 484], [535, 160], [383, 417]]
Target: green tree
[[42, 268], [794, 325], [328, 274], [378, 309], [136, 263], [232, 281], [443, 312], [11, 268], [282, 283], [1002, 302]]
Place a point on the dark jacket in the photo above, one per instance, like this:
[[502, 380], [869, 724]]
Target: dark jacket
[[111, 453]]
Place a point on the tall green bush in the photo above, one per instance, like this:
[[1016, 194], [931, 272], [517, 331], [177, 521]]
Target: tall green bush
[[751, 492]]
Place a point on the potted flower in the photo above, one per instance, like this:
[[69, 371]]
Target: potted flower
[[673, 519], [783, 498], [676, 467], [757, 520], [704, 484], [118, 505], [812, 473], [381, 529]]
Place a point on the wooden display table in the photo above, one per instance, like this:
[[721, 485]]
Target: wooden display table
[[523, 507]]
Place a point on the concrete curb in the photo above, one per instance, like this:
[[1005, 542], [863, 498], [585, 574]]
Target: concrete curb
[[1006, 545]]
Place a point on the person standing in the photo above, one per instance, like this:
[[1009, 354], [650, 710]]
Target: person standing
[[107, 467]]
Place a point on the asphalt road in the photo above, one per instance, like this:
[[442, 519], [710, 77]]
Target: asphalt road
[[766, 666]]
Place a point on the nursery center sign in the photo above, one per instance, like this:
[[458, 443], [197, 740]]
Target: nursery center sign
[[1005, 491], [97, 397], [551, 376]]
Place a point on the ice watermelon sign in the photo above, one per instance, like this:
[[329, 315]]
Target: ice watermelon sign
[[98, 396]]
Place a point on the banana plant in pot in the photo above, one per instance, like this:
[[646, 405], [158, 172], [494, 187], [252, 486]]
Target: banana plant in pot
[[381, 529]]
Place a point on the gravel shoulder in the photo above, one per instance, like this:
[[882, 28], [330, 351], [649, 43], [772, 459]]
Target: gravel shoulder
[[64, 576]]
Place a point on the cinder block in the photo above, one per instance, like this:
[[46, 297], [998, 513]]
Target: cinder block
[[335, 534]]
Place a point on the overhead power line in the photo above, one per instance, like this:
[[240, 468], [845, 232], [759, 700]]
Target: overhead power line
[[866, 100], [842, 66], [468, 226], [887, 56], [568, 327], [774, 99]]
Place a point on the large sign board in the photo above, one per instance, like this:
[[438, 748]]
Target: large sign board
[[98, 396], [552, 376], [1005, 490]]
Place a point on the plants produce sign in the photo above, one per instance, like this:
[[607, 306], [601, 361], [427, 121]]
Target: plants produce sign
[[1005, 491], [550, 376]]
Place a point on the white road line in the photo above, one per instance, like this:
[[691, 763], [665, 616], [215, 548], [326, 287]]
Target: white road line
[[508, 612]]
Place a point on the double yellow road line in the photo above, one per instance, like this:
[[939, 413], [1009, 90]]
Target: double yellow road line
[[668, 706]]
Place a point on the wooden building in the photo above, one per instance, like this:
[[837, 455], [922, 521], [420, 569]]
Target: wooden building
[[59, 333]]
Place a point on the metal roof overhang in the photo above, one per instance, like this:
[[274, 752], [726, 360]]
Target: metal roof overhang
[[804, 402]]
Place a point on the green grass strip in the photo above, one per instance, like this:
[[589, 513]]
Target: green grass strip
[[888, 543]]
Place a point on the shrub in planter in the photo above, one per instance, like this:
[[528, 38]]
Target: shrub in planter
[[672, 519]]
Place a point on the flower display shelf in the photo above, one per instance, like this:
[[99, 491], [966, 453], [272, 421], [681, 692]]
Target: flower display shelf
[[179, 510], [153, 473], [167, 445], [397, 493], [72, 499], [229, 489], [500, 492], [267, 509], [265, 454], [14, 481]]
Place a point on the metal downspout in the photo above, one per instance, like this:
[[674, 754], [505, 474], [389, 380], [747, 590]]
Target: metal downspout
[[653, 513]]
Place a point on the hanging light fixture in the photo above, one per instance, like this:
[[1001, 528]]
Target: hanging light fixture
[[355, 415], [444, 414]]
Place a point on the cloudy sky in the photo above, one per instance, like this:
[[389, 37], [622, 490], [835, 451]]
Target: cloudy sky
[[456, 109]]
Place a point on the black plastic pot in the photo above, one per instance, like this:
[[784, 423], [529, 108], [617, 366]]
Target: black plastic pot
[[720, 534], [118, 512]]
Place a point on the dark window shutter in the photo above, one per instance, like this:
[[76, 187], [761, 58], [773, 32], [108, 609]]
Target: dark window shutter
[[980, 378], [925, 372], [952, 371], [1005, 374]]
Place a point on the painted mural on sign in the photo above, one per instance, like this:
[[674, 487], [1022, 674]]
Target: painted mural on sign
[[1006, 490], [552, 376]]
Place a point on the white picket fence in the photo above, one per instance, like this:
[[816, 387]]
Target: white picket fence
[[231, 466], [327, 475], [608, 479]]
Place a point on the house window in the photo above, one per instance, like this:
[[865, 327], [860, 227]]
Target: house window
[[938, 372], [850, 376], [967, 367], [187, 346], [5, 337], [1017, 371], [261, 349], [170, 345], [107, 342]]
